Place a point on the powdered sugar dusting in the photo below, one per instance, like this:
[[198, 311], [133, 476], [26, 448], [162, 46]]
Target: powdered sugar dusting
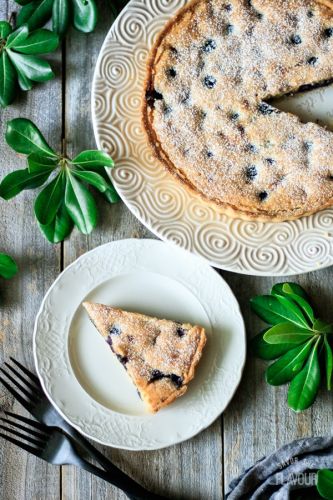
[[159, 355], [152, 344], [214, 68]]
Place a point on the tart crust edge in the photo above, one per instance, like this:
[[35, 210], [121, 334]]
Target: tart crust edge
[[156, 406]]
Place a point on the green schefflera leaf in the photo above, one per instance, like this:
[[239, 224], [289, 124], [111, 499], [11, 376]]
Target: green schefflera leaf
[[93, 179], [49, 200], [7, 80], [261, 349], [31, 67], [287, 333], [285, 368], [17, 37], [60, 16], [60, 227], [84, 15], [329, 363], [325, 483], [289, 304], [35, 14], [5, 29], [65, 201], [110, 194], [22, 2], [39, 163], [24, 82], [304, 387], [24, 137], [273, 311], [8, 266], [289, 288], [298, 339], [19, 180], [41, 41], [81, 205], [93, 158], [305, 307], [19, 62], [298, 295]]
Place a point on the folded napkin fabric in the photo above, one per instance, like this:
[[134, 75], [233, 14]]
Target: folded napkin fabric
[[292, 467]]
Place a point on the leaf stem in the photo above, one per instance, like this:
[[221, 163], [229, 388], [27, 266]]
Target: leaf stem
[[317, 342], [2, 44], [64, 147]]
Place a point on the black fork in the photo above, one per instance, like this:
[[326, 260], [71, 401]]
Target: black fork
[[49, 444], [27, 389]]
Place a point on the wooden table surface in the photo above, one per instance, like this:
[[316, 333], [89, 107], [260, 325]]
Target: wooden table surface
[[256, 422]]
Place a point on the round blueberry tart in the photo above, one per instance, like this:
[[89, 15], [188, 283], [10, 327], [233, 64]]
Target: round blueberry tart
[[207, 109]]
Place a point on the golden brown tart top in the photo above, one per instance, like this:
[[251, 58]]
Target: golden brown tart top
[[159, 355], [205, 111]]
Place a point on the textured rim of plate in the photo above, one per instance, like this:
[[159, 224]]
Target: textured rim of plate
[[156, 198], [53, 365]]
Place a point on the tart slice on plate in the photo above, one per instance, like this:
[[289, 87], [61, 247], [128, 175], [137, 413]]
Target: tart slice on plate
[[160, 356]]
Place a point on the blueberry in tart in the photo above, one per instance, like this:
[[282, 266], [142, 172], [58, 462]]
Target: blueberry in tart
[[232, 58], [159, 355]]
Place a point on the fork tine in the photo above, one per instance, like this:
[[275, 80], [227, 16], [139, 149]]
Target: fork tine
[[33, 377], [26, 404], [38, 435], [31, 440], [19, 386], [24, 446], [28, 421], [33, 388]]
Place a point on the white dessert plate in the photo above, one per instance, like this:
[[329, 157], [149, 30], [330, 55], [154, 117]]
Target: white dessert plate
[[86, 382], [163, 204]]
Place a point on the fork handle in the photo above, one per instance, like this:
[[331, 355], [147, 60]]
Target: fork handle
[[133, 490], [111, 474]]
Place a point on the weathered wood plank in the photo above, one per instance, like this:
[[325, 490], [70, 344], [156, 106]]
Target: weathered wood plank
[[23, 476], [193, 469], [258, 420]]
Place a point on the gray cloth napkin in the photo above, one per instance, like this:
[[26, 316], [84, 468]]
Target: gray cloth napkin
[[292, 467]]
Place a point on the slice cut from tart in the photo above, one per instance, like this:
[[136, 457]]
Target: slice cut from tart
[[160, 356]]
